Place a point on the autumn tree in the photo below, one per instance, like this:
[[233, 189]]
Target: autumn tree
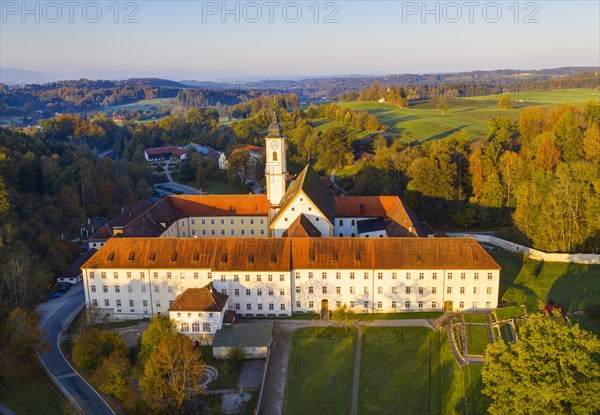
[[442, 104], [506, 101], [343, 316], [112, 376], [92, 346], [159, 328], [237, 168], [548, 156], [553, 368], [172, 374], [26, 338]]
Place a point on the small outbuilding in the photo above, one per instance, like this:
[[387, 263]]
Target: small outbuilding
[[72, 275], [253, 338]]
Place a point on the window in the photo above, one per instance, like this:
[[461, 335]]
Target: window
[[242, 232], [195, 275], [311, 304], [262, 221], [169, 275], [433, 290], [338, 304], [324, 290], [232, 232], [379, 304], [338, 275], [461, 304], [324, 275], [310, 290], [193, 221], [433, 304], [351, 290], [117, 288], [143, 289], [145, 303], [271, 306], [394, 290], [338, 290], [118, 303], [158, 303], [352, 304], [128, 274], [142, 275], [298, 304], [195, 327], [282, 307], [222, 232], [281, 291], [488, 290], [408, 275], [476, 275], [222, 221], [93, 288], [489, 275], [247, 291], [281, 277], [462, 290], [380, 275], [420, 304], [224, 291], [351, 275], [242, 221], [231, 221], [260, 306], [206, 327], [270, 278], [462, 275], [366, 275], [420, 290], [487, 304], [270, 291], [213, 232], [247, 278], [203, 232], [212, 221], [236, 278], [475, 290], [248, 306], [251, 221], [106, 303], [170, 289], [222, 277], [185, 327], [237, 306], [434, 275], [92, 274], [407, 290], [310, 275], [236, 292], [407, 304], [448, 290], [474, 304], [366, 290], [449, 275], [95, 302], [105, 288], [394, 275], [209, 275], [103, 275], [116, 275], [297, 290], [297, 275], [258, 278], [259, 291], [379, 290], [156, 289], [203, 221], [393, 304]]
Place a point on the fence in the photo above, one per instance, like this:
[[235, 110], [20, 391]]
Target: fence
[[530, 252]]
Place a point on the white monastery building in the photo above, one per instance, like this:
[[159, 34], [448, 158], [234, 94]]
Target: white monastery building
[[297, 249]]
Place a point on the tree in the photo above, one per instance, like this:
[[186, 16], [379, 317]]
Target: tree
[[237, 167], [506, 101], [3, 197], [92, 346], [26, 339], [343, 316], [442, 104], [172, 374], [159, 328], [548, 156], [551, 369], [112, 376]]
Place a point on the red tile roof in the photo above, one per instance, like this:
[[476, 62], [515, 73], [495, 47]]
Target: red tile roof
[[199, 299]]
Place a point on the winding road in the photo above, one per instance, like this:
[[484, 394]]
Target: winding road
[[55, 316]]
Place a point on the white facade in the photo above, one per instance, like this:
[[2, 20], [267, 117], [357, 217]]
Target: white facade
[[276, 170], [218, 226], [301, 205]]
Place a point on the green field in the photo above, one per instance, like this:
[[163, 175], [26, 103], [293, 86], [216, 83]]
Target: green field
[[218, 188], [319, 377], [478, 337], [408, 370], [476, 403], [146, 104], [475, 318], [422, 121]]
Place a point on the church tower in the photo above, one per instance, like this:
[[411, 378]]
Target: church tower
[[276, 170]]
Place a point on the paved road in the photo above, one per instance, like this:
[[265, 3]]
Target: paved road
[[54, 315]]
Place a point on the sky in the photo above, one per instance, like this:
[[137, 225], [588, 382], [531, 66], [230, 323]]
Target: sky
[[214, 40]]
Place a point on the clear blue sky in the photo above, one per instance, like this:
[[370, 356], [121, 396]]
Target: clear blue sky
[[193, 39]]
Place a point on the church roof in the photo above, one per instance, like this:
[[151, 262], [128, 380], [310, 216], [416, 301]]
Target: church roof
[[302, 227], [315, 189], [284, 254], [199, 299], [275, 130]]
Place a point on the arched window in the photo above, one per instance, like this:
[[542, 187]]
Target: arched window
[[274, 156], [353, 222], [185, 327], [341, 222], [206, 327], [196, 327]]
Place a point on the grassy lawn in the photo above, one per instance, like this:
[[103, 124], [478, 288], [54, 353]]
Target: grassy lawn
[[397, 316], [146, 104], [478, 338], [475, 318], [26, 393], [227, 379], [408, 370], [504, 331], [319, 377], [219, 188], [476, 402], [508, 312]]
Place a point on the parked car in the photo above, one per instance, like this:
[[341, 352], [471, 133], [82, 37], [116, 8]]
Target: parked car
[[56, 294]]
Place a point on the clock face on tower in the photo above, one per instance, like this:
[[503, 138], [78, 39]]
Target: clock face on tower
[[274, 145]]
